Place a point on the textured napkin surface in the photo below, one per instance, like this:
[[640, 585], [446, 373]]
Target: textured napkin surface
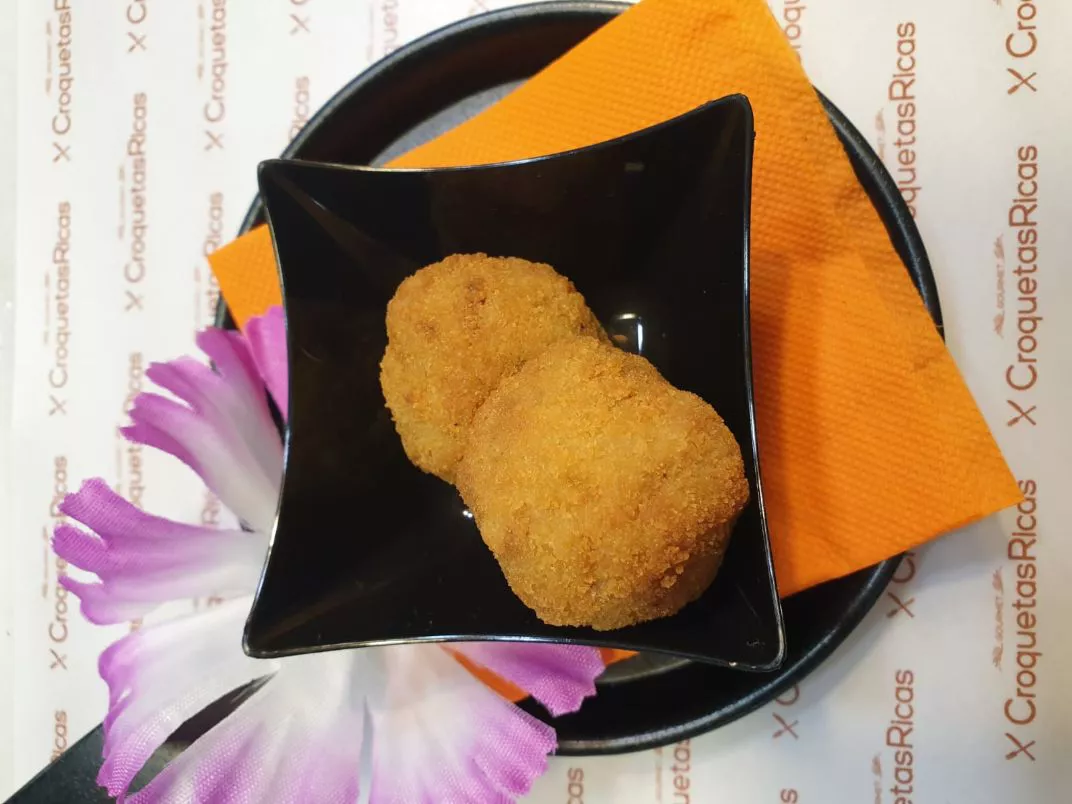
[[870, 441]]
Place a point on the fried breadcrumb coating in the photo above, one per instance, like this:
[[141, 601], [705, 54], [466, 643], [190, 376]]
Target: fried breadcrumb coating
[[606, 494], [455, 330]]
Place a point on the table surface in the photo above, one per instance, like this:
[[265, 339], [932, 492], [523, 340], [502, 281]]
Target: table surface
[[939, 696]]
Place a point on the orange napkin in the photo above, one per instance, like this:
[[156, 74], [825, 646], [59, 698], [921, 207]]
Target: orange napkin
[[870, 440]]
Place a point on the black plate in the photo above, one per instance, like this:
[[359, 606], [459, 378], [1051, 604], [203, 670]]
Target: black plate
[[652, 228], [427, 87], [436, 82]]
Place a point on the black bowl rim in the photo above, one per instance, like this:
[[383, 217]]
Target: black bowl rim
[[269, 167], [873, 177]]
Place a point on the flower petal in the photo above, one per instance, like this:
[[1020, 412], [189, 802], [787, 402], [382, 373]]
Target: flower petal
[[216, 453], [224, 431], [236, 407], [161, 675], [295, 740], [558, 676], [244, 406], [143, 560], [114, 519], [440, 735], [267, 337]]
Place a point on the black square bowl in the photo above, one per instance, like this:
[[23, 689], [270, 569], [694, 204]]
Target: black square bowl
[[653, 230]]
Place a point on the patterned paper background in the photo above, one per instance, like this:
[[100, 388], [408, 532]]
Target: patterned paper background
[[137, 127]]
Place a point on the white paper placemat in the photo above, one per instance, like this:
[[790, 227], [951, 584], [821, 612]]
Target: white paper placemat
[[138, 128], [7, 358]]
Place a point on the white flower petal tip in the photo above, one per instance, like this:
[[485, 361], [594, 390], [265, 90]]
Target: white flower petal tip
[[160, 676], [267, 337], [440, 735], [558, 676], [224, 431], [296, 740], [143, 560]]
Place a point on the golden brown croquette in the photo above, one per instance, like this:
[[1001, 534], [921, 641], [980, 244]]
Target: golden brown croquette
[[455, 329], [606, 494]]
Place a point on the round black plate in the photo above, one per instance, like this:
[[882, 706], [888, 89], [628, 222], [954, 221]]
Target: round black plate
[[416, 92], [439, 80]]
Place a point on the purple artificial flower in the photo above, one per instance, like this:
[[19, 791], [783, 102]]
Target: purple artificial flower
[[437, 733]]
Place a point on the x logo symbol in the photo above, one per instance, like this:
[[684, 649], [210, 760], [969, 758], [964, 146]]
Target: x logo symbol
[[1021, 414], [300, 24], [1021, 748], [902, 605], [133, 301], [1021, 81], [787, 728], [136, 42], [58, 406], [58, 660], [63, 152], [215, 141]]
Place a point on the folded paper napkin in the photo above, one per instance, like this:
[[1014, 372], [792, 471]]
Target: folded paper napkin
[[871, 443]]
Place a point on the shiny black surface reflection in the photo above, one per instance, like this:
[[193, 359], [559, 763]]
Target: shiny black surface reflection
[[652, 229]]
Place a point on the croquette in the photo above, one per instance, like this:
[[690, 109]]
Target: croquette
[[455, 330], [606, 494]]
